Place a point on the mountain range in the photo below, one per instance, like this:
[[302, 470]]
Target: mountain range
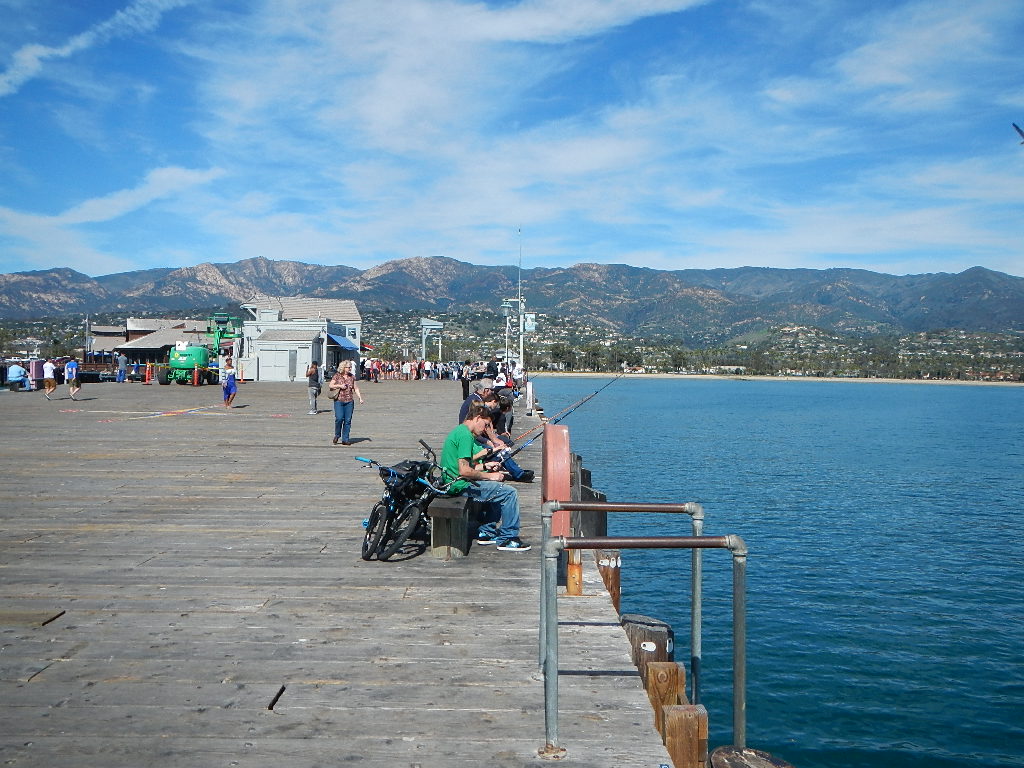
[[694, 305]]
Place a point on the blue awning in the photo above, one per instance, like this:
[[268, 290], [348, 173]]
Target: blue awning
[[344, 342]]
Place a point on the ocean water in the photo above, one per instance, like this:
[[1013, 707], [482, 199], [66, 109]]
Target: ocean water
[[885, 582]]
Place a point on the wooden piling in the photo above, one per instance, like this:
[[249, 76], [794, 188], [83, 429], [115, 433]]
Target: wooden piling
[[650, 640], [685, 734]]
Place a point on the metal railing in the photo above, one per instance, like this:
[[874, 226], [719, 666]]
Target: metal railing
[[696, 513], [553, 547]]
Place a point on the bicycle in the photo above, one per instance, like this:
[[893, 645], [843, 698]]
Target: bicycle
[[409, 487]]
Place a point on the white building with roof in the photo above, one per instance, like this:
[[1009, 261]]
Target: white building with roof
[[282, 334]]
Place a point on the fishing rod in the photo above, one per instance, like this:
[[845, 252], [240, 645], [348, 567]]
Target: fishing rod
[[503, 456], [554, 419], [567, 410]]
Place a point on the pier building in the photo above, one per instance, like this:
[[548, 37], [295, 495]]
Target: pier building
[[281, 335]]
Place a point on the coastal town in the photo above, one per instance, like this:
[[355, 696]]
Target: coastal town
[[570, 344]]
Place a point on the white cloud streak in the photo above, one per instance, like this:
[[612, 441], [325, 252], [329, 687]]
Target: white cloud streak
[[40, 237], [139, 17], [159, 183]]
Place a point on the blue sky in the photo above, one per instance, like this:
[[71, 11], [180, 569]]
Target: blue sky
[[662, 133]]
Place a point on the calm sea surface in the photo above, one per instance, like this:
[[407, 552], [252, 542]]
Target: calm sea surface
[[886, 570]]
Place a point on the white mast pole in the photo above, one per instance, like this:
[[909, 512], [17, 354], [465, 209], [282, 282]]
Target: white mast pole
[[522, 317]]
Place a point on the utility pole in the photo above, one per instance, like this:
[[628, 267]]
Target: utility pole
[[522, 309]]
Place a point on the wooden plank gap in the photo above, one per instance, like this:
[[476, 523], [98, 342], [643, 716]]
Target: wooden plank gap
[[39, 672], [53, 618], [277, 697]]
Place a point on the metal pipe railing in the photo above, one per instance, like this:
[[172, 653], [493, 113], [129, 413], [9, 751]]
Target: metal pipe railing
[[696, 513], [553, 547]]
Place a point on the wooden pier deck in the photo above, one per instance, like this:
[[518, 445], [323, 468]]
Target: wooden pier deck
[[180, 585]]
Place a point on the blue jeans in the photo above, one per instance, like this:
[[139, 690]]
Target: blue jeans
[[512, 468], [503, 505], [122, 375], [343, 419]]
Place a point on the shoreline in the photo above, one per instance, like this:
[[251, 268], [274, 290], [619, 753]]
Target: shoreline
[[748, 377]]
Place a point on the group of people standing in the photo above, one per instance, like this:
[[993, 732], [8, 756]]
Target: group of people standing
[[375, 370]]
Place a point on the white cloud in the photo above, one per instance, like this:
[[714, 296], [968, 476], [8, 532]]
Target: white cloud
[[912, 44], [916, 57], [41, 237], [37, 242], [159, 183], [139, 17]]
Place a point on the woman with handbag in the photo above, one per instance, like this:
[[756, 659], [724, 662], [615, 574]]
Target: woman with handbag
[[344, 390]]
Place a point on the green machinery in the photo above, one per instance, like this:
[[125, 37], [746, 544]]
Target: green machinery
[[187, 358]]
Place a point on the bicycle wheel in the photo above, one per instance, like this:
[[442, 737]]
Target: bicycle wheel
[[405, 523], [375, 527]]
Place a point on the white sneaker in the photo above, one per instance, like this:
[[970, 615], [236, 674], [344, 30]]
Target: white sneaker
[[312, 413]]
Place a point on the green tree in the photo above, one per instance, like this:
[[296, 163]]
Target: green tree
[[591, 357], [678, 359], [563, 355]]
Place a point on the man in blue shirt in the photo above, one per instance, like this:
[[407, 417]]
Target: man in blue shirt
[[71, 377], [15, 373], [481, 388], [460, 458]]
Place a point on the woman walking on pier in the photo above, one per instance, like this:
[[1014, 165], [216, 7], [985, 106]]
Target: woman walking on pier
[[228, 382], [313, 380], [344, 389]]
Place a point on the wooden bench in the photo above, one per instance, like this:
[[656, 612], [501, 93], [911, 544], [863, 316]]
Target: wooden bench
[[453, 524]]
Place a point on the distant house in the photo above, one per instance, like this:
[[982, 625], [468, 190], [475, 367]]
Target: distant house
[[281, 335], [101, 340]]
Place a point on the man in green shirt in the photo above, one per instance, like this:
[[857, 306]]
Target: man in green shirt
[[461, 457]]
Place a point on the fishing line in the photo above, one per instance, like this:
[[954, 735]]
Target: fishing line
[[561, 415]]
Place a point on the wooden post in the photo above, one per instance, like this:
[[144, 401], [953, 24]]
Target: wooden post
[[666, 686], [608, 562], [574, 563], [651, 640], [685, 733]]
